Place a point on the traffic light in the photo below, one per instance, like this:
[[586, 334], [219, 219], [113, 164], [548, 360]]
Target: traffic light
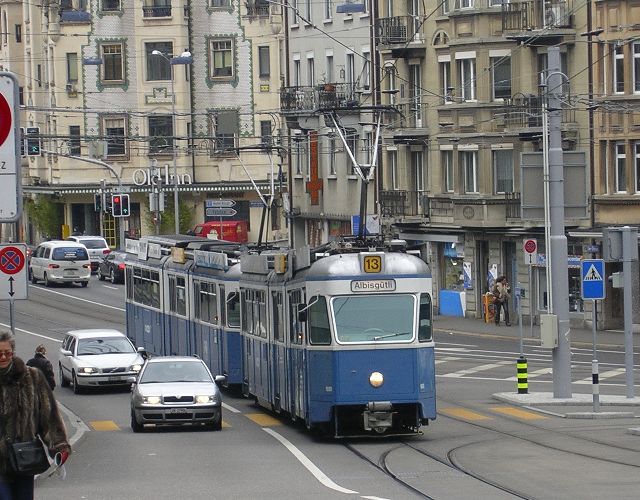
[[120, 205], [33, 141], [97, 202]]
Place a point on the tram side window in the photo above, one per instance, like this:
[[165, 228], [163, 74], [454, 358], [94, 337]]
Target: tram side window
[[296, 330], [177, 295], [424, 325], [129, 281], [233, 310], [319, 331], [277, 311], [146, 287], [261, 303], [206, 302]]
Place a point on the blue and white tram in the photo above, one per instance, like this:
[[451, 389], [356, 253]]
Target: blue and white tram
[[344, 344]]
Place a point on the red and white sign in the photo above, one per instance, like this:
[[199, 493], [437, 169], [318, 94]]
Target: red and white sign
[[530, 247], [13, 271], [10, 185]]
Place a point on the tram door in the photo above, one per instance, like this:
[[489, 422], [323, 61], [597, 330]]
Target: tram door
[[296, 369], [279, 353]]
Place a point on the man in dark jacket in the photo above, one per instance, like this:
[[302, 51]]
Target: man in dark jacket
[[27, 409], [40, 360]]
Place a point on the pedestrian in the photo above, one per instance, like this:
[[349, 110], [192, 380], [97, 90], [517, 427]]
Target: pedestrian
[[27, 409], [502, 294], [40, 360]]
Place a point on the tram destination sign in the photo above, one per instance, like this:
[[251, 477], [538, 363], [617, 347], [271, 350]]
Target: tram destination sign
[[373, 286]]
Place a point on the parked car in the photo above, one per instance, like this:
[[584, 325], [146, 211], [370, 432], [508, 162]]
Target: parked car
[[97, 358], [96, 246], [60, 262], [173, 390], [232, 230], [112, 267]]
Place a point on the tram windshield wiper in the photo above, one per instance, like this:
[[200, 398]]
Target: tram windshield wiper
[[380, 337]]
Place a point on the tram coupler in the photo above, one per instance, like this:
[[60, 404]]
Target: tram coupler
[[378, 416]]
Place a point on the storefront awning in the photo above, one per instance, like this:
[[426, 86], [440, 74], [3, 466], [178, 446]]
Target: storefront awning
[[61, 189]]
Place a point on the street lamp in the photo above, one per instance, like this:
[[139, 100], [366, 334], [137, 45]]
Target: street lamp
[[184, 58]]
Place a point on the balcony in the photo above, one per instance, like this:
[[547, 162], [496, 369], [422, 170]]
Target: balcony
[[398, 204], [523, 113], [512, 205], [408, 122], [536, 15], [257, 9], [401, 35], [150, 11], [311, 99]]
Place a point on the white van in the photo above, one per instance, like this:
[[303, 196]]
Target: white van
[[60, 262]]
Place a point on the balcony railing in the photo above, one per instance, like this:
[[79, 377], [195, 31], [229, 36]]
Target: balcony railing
[[156, 10], [404, 204], [411, 115], [512, 208], [536, 14], [526, 111], [326, 96], [257, 9], [397, 30]]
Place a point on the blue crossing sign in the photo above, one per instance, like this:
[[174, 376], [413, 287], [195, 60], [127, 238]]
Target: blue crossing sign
[[592, 272]]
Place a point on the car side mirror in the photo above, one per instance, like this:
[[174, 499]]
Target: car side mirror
[[65, 352], [131, 380], [219, 379], [143, 352]]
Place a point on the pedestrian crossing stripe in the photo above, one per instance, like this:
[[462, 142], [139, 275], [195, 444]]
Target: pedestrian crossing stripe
[[104, 425], [463, 414], [592, 274]]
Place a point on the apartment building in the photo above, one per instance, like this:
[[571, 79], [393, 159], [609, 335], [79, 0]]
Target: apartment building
[[176, 93]]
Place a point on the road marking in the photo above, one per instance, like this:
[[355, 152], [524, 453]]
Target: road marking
[[225, 424], [230, 408], [517, 412], [104, 425], [476, 369], [263, 419], [446, 358], [463, 413], [82, 300], [111, 287], [308, 464], [534, 373], [603, 376], [32, 333]]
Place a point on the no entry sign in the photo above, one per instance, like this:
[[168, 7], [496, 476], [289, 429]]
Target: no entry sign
[[10, 176]]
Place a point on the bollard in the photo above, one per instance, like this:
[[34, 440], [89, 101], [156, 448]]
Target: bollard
[[595, 385], [523, 384]]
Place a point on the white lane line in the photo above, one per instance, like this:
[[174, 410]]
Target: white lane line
[[476, 369], [603, 376], [310, 466], [230, 408], [495, 379], [373, 498], [446, 358], [535, 373], [32, 333], [459, 345], [82, 300], [452, 349], [111, 287]]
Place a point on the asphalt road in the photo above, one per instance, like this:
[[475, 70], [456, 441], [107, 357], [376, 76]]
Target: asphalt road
[[477, 448]]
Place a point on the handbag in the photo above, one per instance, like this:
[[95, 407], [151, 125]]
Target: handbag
[[28, 458]]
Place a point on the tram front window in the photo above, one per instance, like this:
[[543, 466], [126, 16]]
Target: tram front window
[[374, 318]]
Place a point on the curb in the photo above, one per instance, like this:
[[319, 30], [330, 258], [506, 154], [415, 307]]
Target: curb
[[80, 428]]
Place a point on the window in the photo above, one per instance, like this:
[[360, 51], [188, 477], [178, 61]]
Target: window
[[219, 3], [329, 78], [308, 11], [177, 295], [160, 134], [367, 147], [300, 153], [233, 310], [311, 71], [417, 165], [445, 81], [74, 140], [265, 132], [350, 69], [503, 170], [18, 33], [415, 94], [637, 165], [618, 70], [447, 170], [390, 77], [543, 65], [72, 67], [157, 8], [297, 77], [328, 9], [319, 331], [501, 77], [264, 60], [158, 67], [277, 310], [114, 130], [206, 302], [296, 328], [636, 68], [424, 320], [393, 169], [467, 79], [445, 6], [352, 143], [468, 162], [621, 167], [110, 5], [39, 74], [221, 58], [464, 4], [225, 129], [366, 70], [112, 67], [332, 155]]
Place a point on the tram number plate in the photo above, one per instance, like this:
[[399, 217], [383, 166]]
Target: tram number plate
[[372, 264]]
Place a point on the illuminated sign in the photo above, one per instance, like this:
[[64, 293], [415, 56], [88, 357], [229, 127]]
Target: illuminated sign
[[373, 286]]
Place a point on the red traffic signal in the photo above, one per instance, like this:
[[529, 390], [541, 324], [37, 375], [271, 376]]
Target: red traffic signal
[[120, 205]]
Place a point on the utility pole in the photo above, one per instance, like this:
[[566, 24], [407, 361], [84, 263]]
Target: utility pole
[[103, 204], [557, 267]]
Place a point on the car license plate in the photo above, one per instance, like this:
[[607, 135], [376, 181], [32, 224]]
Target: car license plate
[[113, 379], [70, 273], [178, 410]]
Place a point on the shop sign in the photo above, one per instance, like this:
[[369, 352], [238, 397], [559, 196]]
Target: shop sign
[[150, 177]]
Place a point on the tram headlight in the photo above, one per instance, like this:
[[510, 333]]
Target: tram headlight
[[376, 379]]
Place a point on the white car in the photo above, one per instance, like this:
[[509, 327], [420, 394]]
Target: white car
[[98, 358], [96, 246], [60, 262]]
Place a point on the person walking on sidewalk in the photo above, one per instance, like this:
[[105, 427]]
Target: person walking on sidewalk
[[27, 409], [40, 361], [502, 294]]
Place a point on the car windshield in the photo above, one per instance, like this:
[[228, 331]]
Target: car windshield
[[70, 253], [108, 345], [93, 244], [374, 318], [175, 371]]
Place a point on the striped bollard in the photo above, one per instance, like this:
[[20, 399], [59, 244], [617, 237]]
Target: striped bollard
[[523, 384], [595, 385]]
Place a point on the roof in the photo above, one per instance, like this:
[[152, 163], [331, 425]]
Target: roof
[[166, 359], [96, 333]]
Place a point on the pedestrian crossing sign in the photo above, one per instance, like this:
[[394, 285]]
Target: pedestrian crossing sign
[[593, 279]]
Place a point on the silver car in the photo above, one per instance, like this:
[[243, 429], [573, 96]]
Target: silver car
[[98, 358], [174, 390]]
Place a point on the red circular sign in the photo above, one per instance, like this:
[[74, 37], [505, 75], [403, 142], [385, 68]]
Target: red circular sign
[[530, 246], [11, 260], [5, 119]]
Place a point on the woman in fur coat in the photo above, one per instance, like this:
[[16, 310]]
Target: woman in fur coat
[[27, 408]]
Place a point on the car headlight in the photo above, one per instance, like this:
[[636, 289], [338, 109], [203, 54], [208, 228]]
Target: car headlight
[[88, 370], [204, 399], [135, 368], [151, 400], [376, 379]]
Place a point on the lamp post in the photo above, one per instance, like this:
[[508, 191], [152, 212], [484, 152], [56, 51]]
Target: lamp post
[[184, 59]]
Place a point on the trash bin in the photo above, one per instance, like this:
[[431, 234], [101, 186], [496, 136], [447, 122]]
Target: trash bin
[[488, 307]]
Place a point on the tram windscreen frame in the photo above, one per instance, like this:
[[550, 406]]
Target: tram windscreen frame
[[374, 318]]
